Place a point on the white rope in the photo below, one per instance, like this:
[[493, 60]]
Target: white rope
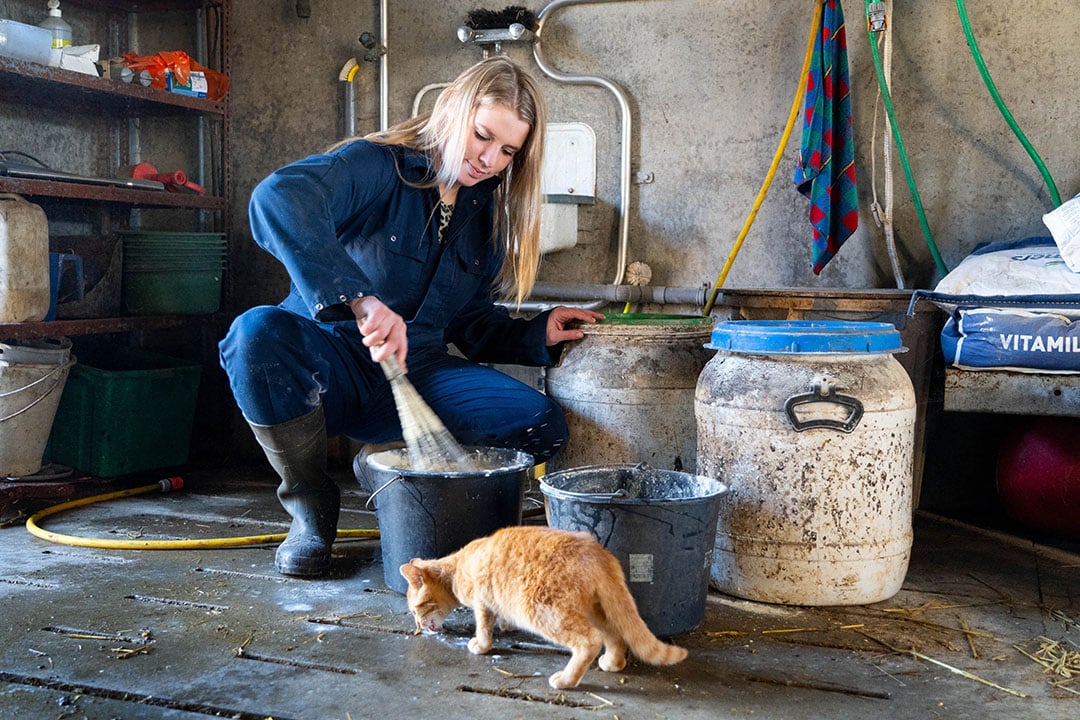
[[884, 217]]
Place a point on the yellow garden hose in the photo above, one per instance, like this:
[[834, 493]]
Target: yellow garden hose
[[815, 27], [167, 485]]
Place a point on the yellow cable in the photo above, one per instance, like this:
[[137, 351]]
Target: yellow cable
[[163, 486], [815, 26]]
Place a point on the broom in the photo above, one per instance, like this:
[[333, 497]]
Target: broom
[[430, 445]]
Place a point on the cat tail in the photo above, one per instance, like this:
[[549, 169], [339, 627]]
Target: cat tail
[[622, 614]]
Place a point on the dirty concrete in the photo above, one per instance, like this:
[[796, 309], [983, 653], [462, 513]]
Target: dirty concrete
[[710, 86], [105, 633]]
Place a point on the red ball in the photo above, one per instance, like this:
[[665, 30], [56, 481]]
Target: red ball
[[1038, 475]]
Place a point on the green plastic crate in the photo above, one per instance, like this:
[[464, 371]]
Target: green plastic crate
[[187, 291], [126, 412]]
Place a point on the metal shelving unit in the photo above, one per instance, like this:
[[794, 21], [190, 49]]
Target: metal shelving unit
[[61, 91]]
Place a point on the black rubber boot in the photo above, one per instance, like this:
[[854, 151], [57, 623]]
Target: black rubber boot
[[297, 451]]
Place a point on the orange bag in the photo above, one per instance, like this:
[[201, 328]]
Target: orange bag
[[180, 64]]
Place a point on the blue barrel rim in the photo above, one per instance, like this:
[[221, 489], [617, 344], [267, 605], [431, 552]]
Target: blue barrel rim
[[521, 461], [609, 498], [805, 337]]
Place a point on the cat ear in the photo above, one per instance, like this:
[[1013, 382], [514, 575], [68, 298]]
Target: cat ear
[[412, 573]]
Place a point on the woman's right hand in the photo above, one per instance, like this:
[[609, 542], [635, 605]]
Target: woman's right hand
[[382, 328]]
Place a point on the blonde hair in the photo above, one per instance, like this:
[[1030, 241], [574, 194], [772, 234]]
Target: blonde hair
[[443, 134]]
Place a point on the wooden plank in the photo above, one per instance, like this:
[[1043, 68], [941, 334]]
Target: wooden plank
[[94, 326], [1013, 393]]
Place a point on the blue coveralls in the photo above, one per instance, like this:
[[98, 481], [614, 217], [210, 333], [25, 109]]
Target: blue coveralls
[[344, 224]]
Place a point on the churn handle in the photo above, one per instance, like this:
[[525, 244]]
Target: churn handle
[[823, 391]]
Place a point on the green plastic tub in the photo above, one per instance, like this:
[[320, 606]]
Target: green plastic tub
[[126, 412]]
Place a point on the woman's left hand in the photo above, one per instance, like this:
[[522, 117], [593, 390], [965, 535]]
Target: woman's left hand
[[561, 317]]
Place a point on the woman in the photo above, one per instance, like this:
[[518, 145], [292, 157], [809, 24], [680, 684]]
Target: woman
[[399, 244]]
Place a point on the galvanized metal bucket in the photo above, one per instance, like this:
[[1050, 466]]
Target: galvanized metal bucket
[[32, 378], [660, 524]]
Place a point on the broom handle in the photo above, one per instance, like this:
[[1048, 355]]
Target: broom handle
[[391, 368]]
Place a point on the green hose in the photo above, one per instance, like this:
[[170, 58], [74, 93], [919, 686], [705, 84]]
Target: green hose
[[1001, 105], [903, 153]]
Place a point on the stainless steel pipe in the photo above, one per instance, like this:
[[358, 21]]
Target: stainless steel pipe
[[658, 294], [625, 121]]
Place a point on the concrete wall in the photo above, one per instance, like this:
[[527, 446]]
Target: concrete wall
[[710, 87]]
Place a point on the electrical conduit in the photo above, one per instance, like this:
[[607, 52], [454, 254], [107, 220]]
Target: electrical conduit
[[625, 120]]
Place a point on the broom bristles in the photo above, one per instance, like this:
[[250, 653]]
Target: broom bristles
[[430, 445]]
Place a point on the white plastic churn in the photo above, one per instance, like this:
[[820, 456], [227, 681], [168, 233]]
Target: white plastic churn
[[811, 425], [24, 260]]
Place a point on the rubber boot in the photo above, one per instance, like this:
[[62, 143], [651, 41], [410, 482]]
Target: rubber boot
[[296, 450]]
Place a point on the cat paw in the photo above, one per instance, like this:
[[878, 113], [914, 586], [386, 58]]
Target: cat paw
[[560, 681], [609, 663], [478, 648]]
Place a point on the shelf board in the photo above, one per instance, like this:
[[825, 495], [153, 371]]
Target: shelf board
[[135, 6], [94, 326], [1012, 393], [27, 82], [110, 194]]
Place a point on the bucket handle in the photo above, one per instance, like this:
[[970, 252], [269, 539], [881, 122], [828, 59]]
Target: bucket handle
[[41, 397], [382, 487], [620, 493], [824, 391]]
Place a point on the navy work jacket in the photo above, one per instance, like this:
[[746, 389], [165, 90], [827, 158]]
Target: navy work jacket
[[344, 225]]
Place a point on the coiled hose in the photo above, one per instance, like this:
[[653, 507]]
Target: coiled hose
[[166, 485]]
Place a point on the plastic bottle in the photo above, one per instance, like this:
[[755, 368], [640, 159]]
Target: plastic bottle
[[61, 31]]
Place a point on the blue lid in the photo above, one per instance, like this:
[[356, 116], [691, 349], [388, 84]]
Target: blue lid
[[793, 337]]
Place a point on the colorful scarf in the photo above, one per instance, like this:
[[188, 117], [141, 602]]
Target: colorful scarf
[[826, 169]]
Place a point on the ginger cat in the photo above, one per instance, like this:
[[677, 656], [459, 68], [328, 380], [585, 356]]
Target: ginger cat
[[563, 586]]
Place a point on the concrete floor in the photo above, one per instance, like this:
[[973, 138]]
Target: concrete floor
[[103, 633]]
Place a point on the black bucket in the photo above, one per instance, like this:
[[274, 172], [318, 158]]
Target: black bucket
[[431, 514], [660, 524]]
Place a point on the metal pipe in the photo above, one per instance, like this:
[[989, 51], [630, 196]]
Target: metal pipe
[[539, 306], [349, 120], [657, 294], [384, 84], [200, 152], [419, 97], [624, 110], [346, 78]]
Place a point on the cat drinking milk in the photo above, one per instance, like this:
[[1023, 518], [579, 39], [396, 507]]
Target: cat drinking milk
[[563, 586]]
